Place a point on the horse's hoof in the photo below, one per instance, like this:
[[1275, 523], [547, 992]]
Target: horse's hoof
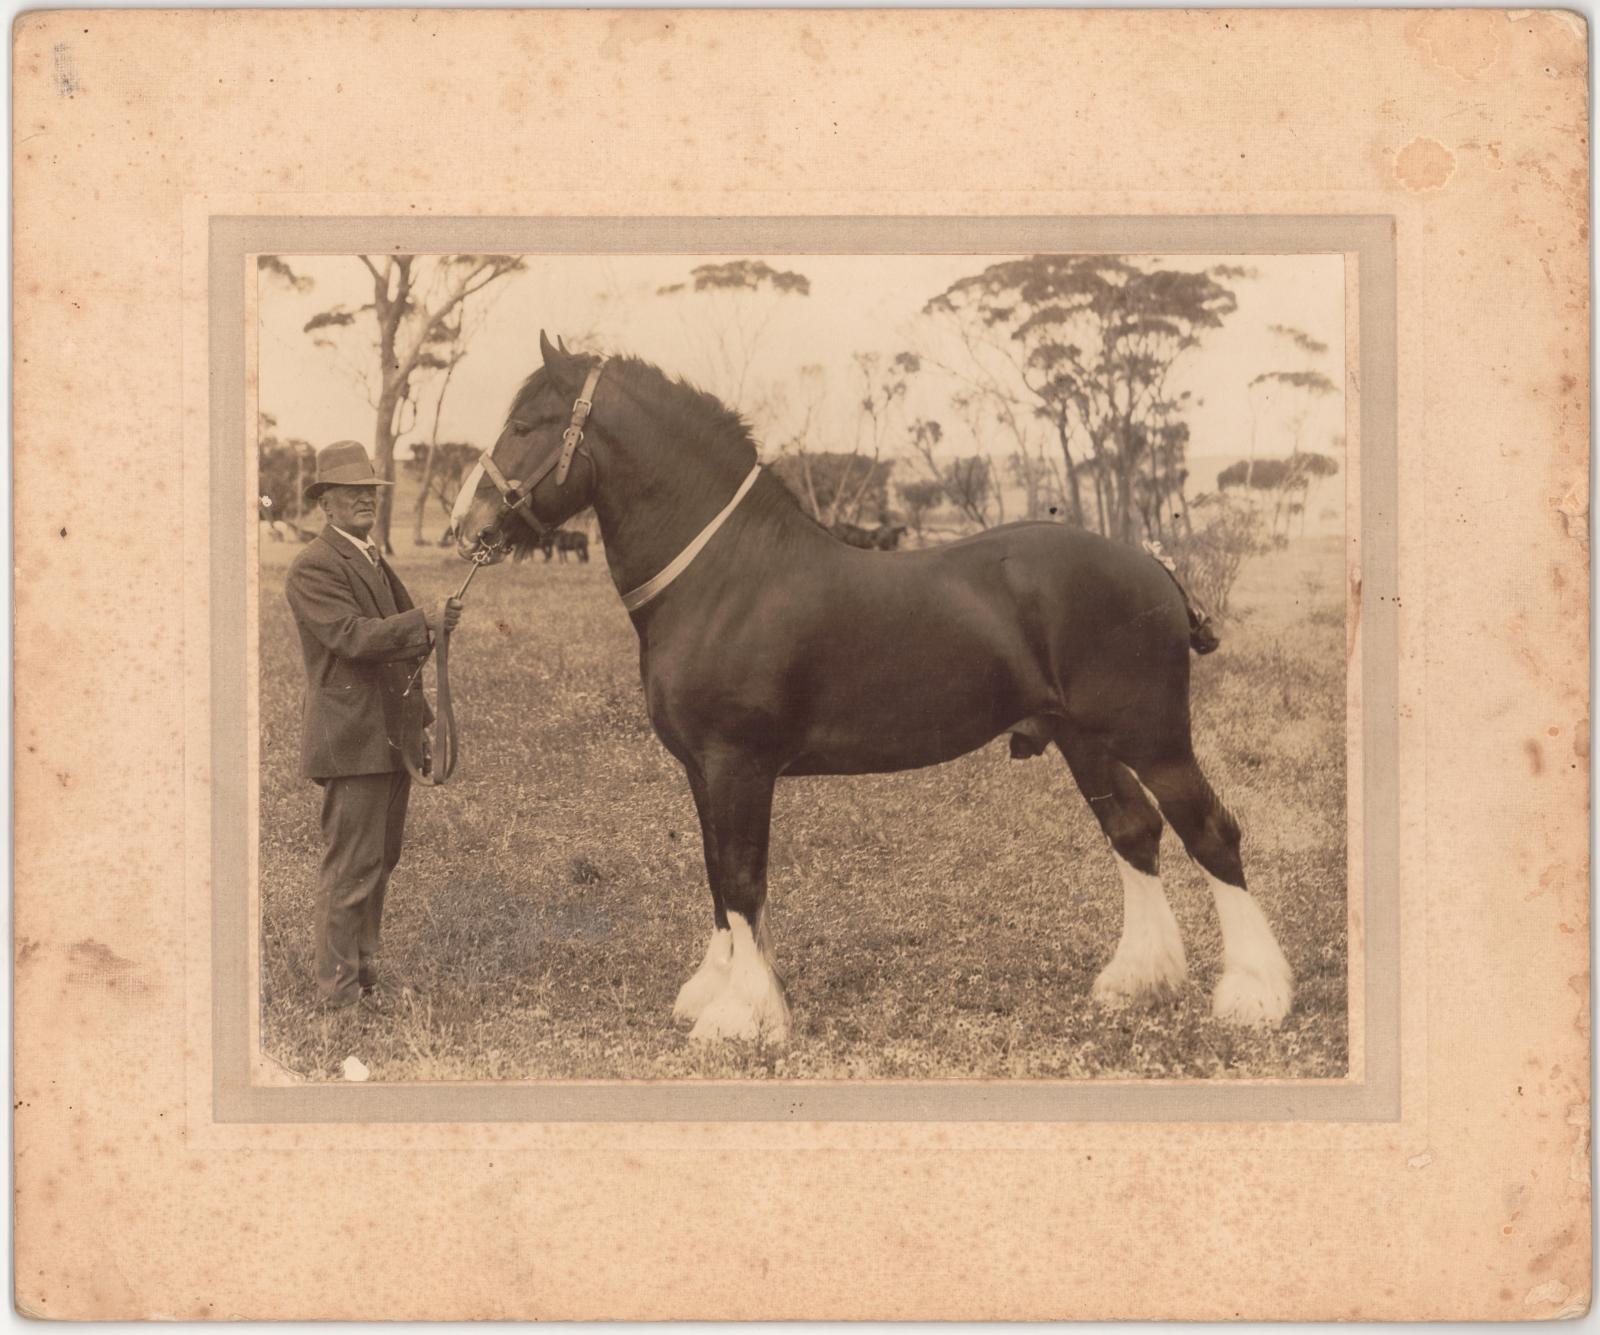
[[732, 1017], [1259, 998], [1257, 984], [1119, 995], [1142, 996], [698, 993], [1124, 983], [708, 981]]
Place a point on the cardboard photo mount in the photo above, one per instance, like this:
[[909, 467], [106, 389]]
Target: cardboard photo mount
[[154, 151]]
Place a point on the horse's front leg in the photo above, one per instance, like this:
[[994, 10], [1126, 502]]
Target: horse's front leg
[[739, 800], [712, 975]]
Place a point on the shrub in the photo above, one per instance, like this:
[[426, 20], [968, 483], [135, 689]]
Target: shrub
[[1226, 533]]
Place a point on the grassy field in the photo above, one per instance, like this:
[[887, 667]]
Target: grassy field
[[943, 923]]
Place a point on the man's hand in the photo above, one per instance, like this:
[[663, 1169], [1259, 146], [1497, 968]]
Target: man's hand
[[445, 617]]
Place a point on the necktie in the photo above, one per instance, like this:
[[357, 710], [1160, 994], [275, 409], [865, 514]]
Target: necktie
[[372, 554]]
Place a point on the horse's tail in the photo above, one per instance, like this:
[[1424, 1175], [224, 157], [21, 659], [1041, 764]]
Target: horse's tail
[[1203, 637]]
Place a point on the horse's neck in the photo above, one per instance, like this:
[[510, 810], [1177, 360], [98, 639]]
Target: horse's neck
[[649, 513]]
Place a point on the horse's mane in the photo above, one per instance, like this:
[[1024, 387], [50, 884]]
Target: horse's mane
[[701, 414], [681, 409], [688, 410]]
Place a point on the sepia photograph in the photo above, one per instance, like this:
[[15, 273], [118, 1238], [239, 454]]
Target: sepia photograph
[[802, 667], [943, 655]]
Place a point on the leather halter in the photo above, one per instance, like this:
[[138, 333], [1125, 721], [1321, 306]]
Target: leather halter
[[516, 495], [425, 768]]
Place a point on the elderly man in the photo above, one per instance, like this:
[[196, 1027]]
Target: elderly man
[[362, 640]]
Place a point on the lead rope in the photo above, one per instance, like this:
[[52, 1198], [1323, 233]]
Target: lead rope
[[435, 770]]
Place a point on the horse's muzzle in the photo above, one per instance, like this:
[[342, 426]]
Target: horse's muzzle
[[488, 546]]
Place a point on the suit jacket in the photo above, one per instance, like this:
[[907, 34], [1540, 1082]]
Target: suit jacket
[[362, 639]]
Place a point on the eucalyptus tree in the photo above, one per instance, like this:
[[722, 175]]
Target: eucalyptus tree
[[727, 309], [412, 325], [1092, 340], [1291, 392]]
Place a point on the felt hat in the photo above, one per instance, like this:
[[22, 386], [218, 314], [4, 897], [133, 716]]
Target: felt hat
[[343, 464]]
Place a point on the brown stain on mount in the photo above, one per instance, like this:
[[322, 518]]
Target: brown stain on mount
[[95, 964], [1573, 509], [1554, 1250], [1353, 617], [1424, 164], [1465, 44], [66, 71], [627, 32]]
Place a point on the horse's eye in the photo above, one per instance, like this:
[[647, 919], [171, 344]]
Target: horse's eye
[[521, 428]]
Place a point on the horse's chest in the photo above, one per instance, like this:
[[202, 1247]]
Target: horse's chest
[[693, 697]]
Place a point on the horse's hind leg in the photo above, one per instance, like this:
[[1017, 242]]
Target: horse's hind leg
[[1257, 984], [1149, 961], [739, 802], [712, 975]]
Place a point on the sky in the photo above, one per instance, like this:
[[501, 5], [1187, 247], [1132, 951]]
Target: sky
[[801, 346]]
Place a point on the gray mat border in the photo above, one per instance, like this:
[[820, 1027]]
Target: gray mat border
[[1375, 1099]]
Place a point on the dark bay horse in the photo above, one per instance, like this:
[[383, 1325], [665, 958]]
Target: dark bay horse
[[768, 647]]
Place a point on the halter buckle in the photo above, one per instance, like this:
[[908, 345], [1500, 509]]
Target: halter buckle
[[572, 437]]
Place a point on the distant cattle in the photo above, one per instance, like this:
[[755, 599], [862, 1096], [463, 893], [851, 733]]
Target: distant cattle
[[560, 541], [884, 538]]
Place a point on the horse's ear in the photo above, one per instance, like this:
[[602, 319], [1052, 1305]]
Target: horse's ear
[[562, 344], [557, 361]]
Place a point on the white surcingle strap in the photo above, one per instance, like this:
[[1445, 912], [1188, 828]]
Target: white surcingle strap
[[637, 598]]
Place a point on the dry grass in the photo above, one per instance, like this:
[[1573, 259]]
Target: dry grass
[[944, 923]]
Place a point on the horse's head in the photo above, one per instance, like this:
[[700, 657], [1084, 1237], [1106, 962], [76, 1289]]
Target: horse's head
[[520, 488]]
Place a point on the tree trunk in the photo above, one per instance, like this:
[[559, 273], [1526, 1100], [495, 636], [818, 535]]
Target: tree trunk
[[1127, 472], [1157, 501], [1030, 484], [383, 442], [433, 444], [1250, 467], [1074, 494], [811, 486], [853, 507], [420, 513]]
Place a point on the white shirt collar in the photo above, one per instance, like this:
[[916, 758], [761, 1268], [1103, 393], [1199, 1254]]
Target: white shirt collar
[[362, 544]]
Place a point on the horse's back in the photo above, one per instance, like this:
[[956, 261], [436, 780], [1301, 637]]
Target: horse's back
[[1044, 604], [1032, 559]]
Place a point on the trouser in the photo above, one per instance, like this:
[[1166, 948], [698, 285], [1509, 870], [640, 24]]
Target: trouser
[[363, 825]]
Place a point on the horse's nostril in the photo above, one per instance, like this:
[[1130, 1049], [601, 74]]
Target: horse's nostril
[[486, 536]]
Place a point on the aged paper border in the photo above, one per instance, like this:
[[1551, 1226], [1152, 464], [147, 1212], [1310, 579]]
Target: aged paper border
[[1470, 128], [1372, 1091]]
